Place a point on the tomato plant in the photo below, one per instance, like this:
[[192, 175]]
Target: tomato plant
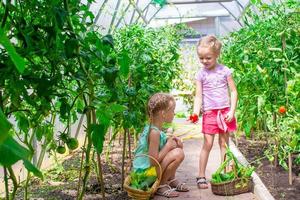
[[58, 68], [266, 68]]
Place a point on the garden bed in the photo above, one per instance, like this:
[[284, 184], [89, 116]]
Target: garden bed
[[275, 178], [61, 182]]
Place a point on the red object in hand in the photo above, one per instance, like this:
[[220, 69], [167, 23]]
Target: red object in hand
[[282, 110], [194, 118]]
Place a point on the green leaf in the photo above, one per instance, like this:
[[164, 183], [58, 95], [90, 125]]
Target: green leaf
[[247, 128], [104, 116], [160, 2], [115, 108], [124, 62], [16, 148], [7, 158], [71, 47], [5, 126], [39, 132], [11, 151], [98, 136], [17, 60], [23, 122], [64, 108], [148, 182], [108, 40], [60, 16], [30, 167]]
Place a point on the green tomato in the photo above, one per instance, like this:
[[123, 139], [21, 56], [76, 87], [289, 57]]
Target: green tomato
[[61, 149], [72, 143]]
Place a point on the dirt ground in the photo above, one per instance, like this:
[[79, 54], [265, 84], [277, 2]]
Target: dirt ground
[[61, 181], [275, 178]]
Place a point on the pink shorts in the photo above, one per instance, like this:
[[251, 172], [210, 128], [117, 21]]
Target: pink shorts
[[213, 122]]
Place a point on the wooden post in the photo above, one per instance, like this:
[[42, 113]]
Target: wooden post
[[123, 157], [290, 170]]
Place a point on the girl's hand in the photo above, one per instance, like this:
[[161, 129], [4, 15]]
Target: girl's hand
[[178, 142], [201, 110], [193, 118], [171, 143], [229, 116]]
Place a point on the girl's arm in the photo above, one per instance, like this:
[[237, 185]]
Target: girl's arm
[[154, 140], [198, 99], [233, 98]]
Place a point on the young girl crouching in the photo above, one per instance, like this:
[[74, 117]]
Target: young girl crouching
[[168, 151]]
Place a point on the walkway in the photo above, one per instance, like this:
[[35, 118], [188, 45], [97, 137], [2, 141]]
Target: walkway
[[189, 168]]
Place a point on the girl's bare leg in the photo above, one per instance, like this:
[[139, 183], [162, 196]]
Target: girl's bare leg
[[223, 141], [170, 164], [204, 154]]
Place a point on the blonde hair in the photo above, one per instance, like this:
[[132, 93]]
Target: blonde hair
[[211, 42], [158, 102]]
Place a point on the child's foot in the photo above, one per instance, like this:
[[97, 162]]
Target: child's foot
[[166, 191], [202, 183], [179, 186]]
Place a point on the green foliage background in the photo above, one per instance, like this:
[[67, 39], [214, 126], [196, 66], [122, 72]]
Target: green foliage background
[[266, 55]]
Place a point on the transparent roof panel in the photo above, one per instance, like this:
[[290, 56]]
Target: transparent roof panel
[[187, 10], [112, 14]]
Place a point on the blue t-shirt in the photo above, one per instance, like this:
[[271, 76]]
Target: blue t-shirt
[[141, 163]]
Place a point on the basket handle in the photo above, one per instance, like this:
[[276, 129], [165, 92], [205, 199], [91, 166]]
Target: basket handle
[[233, 167], [157, 163]]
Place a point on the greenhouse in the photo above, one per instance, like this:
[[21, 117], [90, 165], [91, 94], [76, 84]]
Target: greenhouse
[[150, 99]]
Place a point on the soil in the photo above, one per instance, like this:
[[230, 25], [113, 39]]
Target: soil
[[61, 182], [274, 178]]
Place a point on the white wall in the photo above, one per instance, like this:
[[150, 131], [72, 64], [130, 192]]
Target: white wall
[[204, 27], [220, 26]]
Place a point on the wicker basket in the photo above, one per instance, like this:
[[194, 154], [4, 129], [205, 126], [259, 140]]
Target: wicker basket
[[233, 187], [141, 194]]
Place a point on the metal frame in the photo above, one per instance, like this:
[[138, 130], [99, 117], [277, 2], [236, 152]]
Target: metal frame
[[198, 2], [100, 11], [191, 17], [143, 12], [228, 10], [114, 16]]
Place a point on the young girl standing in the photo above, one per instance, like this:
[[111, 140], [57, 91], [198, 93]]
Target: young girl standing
[[213, 101], [166, 150]]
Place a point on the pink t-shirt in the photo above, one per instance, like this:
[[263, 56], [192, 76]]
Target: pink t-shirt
[[215, 91]]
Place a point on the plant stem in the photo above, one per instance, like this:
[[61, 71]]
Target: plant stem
[[15, 182], [89, 117], [100, 175], [129, 145], [42, 155], [6, 184], [81, 166], [87, 156], [26, 186], [96, 167]]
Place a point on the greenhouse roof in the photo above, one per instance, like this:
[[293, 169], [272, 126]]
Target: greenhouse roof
[[112, 14]]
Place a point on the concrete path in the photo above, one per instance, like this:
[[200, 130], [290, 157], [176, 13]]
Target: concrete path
[[189, 168]]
